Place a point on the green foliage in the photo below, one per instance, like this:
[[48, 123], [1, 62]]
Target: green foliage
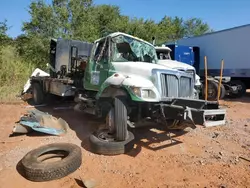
[[4, 38], [80, 20], [195, 26], [14, 73]]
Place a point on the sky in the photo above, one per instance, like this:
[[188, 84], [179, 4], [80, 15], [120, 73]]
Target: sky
[[219, 14]]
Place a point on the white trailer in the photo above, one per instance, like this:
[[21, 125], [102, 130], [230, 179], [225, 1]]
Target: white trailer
[[232, 45]]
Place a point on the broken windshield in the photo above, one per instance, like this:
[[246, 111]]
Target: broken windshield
[[126, 49]]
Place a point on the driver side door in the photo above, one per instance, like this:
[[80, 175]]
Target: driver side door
[[99, 67]]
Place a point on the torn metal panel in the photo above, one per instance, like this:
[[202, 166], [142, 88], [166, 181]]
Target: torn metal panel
[[37, 127], [44, 122], [21, 129]]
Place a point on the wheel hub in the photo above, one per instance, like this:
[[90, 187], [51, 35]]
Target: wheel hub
[[106, 136]]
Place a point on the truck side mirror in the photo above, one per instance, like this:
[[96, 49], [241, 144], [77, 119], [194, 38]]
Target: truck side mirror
[[153, 40]]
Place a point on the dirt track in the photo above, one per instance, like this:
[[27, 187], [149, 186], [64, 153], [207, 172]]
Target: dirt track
[[202, 157]]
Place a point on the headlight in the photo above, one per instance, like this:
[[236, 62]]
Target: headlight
[[148, 94], [136, 91], [143, 93]]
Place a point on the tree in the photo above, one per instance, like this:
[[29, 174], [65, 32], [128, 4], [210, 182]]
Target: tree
[[195, 26], [3, 28], [4, 38], [81, 20]]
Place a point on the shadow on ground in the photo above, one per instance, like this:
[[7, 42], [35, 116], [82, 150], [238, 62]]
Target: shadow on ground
[[154, 138], [84, 125], [243, 99]]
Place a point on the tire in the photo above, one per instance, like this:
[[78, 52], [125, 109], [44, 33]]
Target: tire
[[37, 93], [37, 170], [222, 91], [213, 91], [241, 92], [108, 145], [121, 118]]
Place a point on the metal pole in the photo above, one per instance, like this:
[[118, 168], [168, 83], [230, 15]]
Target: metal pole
[[205, 66], [221, 71]]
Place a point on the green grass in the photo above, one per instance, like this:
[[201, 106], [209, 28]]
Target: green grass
[[14, 72]]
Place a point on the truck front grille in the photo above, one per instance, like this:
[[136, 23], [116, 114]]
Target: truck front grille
[[185, 87], [172, 86]]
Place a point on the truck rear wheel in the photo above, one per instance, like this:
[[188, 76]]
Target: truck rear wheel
[[241, 88], [213, 91], [37, 93]]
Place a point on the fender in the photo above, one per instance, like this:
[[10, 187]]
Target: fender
[[119, 84]]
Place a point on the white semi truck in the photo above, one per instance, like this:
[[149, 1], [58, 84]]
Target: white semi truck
[[231, 45], [164, 58]]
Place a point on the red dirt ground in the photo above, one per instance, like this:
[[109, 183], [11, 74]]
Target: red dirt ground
[[203, 157]]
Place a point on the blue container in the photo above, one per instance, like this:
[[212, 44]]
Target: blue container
[[185, 54]]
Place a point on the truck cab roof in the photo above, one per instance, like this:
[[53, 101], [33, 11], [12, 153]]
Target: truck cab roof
[[163, 48], [124, 34]]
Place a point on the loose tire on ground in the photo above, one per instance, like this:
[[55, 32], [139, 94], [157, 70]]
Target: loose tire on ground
[[37, 93], [36, 169], [106, 146]]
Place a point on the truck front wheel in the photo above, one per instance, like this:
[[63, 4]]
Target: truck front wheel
[[115, 138], [116, 119]]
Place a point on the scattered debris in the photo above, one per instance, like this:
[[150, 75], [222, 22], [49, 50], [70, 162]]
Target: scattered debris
[[221, 177], [223, 186], [89, 183], [12, 141], [18, 128], [41, 122], [244, 159], [237, 159], [215, 135], [202, 162], [218, 156]]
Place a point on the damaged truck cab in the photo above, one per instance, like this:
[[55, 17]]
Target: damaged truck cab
[[124, 83]]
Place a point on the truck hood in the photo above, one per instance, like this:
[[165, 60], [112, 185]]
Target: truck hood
[[138, 68], [172, 64], [175, 65], [145, 69]]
